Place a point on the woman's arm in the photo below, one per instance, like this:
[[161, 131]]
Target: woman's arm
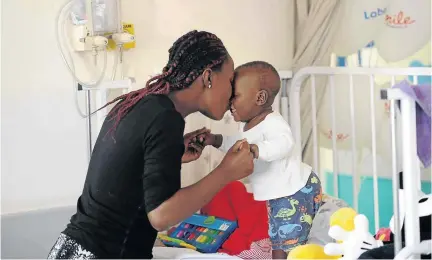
[[237, 164], [187, 201], [165, 203], [224, 143]]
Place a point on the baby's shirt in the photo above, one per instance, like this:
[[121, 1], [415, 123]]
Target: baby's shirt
[[276, 172]]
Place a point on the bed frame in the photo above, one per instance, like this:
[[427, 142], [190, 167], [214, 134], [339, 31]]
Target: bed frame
[[408, 131]]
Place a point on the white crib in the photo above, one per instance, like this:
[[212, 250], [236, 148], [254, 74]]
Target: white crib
[[407, 132]]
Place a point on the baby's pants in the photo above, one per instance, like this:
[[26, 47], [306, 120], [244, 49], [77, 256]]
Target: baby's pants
[[290, 218]]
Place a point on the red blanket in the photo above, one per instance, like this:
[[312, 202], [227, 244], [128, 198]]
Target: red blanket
[[234, 203]]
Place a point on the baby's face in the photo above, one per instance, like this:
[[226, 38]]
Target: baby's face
[[243, 103]]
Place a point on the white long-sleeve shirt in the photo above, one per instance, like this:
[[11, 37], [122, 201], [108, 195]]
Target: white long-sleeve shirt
[[276, 173]]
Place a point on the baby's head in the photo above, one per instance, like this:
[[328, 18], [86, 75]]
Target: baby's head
[[256, 85]]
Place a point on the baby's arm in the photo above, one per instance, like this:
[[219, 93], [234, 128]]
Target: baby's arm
[[278, 143]]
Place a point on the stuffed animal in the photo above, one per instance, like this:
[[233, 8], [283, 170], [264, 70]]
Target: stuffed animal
[[354, 242], [424, 210], [309, 251], [425, 213], [351, 231], [343, 219]]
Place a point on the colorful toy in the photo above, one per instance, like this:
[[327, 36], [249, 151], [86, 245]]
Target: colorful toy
[[205, 234], [179, 242]]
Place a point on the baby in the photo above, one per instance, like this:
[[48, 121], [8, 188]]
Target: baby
[[292, 190]]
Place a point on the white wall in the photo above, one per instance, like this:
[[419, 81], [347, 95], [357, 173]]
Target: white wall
[[43, 149], [43, 139]]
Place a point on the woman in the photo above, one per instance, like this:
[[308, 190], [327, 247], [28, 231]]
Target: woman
[[132, 188]]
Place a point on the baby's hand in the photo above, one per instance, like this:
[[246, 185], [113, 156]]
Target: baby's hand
[[254, 150], [204, 139]]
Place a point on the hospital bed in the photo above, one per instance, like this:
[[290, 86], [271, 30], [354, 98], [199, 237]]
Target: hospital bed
[[21, 233], [400, 130]]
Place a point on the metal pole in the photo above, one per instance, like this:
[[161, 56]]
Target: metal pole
[[395, 180], [89, 126], [411, 171]]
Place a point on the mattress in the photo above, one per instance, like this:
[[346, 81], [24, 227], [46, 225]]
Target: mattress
[[185, 253]]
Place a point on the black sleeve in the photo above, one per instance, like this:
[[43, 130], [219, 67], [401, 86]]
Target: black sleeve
[[163, 149]]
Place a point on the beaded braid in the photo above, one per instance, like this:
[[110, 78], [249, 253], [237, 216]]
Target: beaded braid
[[189, 56]]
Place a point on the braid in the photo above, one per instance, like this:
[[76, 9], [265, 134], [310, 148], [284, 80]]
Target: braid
[[189, 56]]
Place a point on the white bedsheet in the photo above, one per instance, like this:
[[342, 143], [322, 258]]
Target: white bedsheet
[[185, 253]]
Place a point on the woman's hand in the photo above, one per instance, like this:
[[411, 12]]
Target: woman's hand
[[238, 161], [237, 164], [193, 146], [254, 150], [205, 139]]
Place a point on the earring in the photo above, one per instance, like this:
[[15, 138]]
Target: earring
[[209, 86]]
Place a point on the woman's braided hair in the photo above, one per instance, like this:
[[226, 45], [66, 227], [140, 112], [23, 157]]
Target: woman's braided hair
[[189, 56]]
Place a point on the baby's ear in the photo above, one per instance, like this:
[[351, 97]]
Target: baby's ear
[[262, 97]]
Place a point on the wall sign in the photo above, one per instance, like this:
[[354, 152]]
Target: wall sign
[[374, 14], [399, 20], [364, 18]]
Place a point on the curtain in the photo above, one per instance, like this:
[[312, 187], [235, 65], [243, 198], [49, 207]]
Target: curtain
[[315, 23], [307, 27]]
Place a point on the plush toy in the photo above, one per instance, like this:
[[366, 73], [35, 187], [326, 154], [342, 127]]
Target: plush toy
[[354, 242], [351, 231], [425, 213], [343, 218], [309, 251]]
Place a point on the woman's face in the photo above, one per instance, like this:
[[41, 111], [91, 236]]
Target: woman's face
[[221, 89]]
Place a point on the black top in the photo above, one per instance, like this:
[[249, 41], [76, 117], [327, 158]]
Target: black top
[[130, 173]]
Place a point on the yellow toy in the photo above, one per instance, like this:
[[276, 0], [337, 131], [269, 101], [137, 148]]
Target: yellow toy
[[344, 218], [309, 251]]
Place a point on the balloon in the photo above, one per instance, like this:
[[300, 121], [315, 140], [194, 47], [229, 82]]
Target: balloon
[[342, 106], [423, 56], [361, 22], [407, 29]]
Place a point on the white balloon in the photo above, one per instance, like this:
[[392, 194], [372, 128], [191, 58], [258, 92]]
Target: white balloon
[[362, 109], [360, 24], [407, 29]]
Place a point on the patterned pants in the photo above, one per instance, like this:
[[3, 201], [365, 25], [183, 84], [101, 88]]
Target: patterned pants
[[290, 218], [67, 248]]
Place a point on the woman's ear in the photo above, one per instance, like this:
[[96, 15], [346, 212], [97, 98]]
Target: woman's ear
[[206, 76], [261, 97]]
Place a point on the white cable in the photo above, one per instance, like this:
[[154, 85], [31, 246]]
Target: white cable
[[116, 58], [71, 65], [65, 8]]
